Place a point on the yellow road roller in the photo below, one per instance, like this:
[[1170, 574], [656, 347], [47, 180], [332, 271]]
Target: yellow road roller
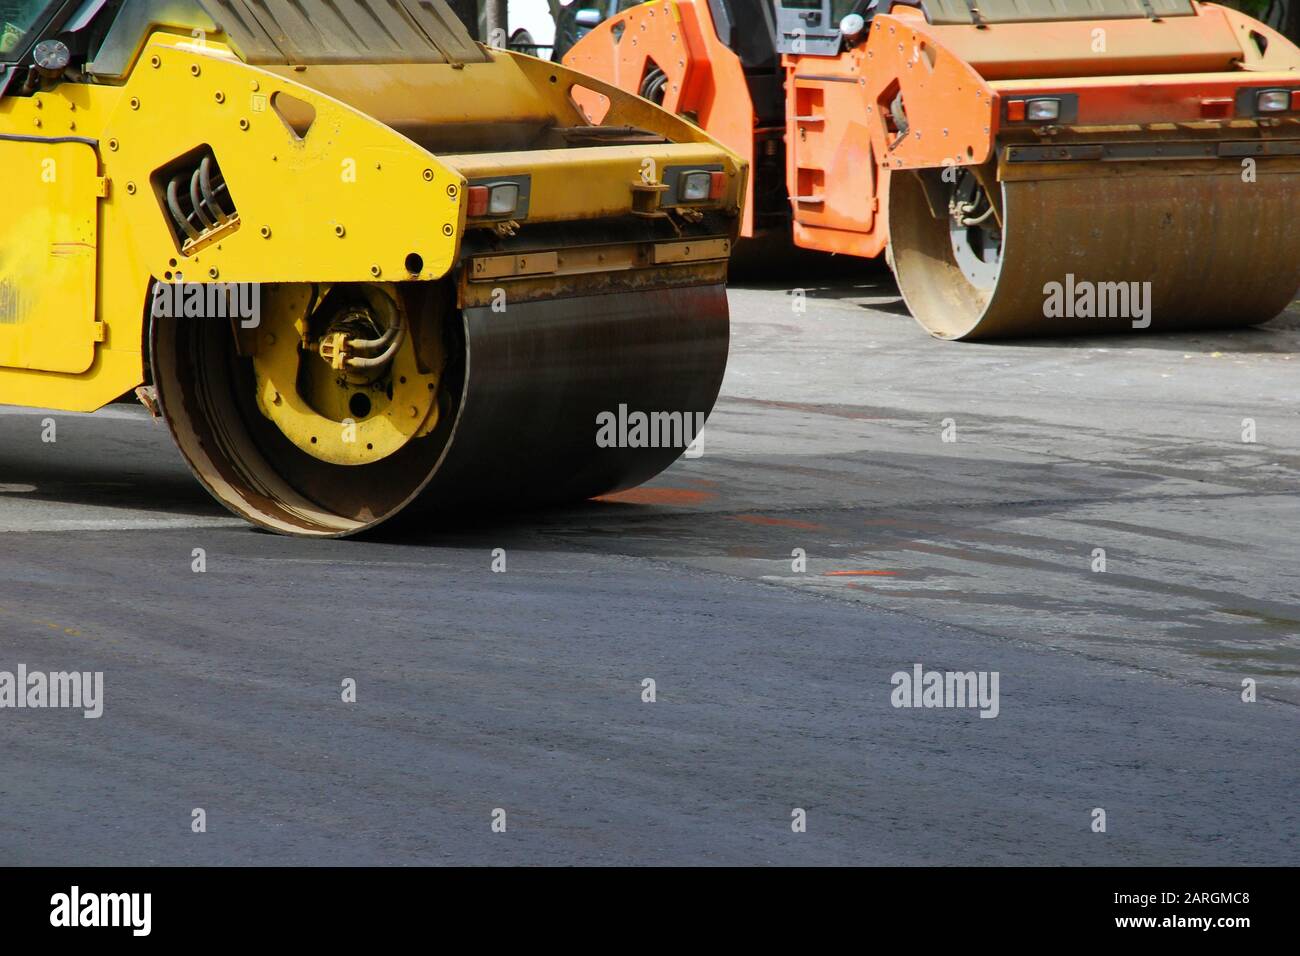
[[359, 263]]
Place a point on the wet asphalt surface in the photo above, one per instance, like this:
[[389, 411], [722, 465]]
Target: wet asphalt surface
[[522, 691]]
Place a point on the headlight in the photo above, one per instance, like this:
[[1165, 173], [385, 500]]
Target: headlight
[[493, 199], [695, 187], [503, 200], [1273, 101], [1043, 110], [852, 25]]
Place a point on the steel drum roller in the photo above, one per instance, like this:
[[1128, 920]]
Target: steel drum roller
[[523, 391], [1203, 241]]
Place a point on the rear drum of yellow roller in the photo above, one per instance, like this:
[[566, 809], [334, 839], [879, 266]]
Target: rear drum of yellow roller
[[1218, 252]]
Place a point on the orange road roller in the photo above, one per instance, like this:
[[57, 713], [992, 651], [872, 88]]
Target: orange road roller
[[359, 263], [1028, 167]]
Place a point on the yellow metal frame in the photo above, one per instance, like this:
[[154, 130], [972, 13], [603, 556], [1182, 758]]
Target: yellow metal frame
[[357, 199], [348, 202], [48, 237], [332, 434]]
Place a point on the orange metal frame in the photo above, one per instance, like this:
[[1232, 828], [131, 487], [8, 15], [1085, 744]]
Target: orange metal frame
[[843, 140], [706, 81]]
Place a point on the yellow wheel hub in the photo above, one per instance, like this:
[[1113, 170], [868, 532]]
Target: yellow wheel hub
[[311, 387]]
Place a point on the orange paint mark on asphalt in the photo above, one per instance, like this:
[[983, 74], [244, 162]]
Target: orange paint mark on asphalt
[[859, 574], [658, 496], [778, 522]]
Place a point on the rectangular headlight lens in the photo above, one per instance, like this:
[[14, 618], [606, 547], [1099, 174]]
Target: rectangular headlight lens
[[505, 197], [695, 187], [1273, 101], [1043, 110]]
